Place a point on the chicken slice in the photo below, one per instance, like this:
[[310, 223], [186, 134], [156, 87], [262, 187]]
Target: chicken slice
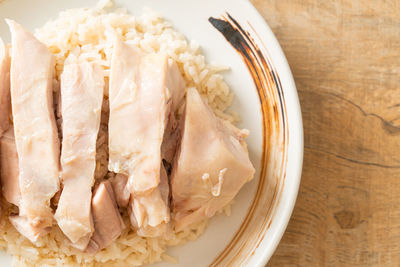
[[144, 90], [82, 86], [122, 194], [211, 164], [155, 202], [9, 168], [138, 115], [150, 214], [4, 88], [32, 69], [26, 228], [108, 223]]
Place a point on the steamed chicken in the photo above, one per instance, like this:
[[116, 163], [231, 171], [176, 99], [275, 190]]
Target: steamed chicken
[[9, 167], [108, 223], [211, 164], [171, 161], [82, 86], [32, 69], [142, 91]]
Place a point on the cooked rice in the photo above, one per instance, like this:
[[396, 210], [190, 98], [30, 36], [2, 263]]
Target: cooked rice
[[88, 34]]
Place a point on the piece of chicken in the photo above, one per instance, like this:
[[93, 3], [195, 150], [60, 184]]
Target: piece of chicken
[[211, 164], [138, 116], [150, 213], [122, 194], [9, 167], [10, 185], [32, 70], [108, 223], [26, 228], [144, 90], [4, 88], [155, 203], [82, 86]]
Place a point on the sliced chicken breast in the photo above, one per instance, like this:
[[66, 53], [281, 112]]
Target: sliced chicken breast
[[82, 86], [26, 228], [211, 164], [108, 223], [32, 69], [138, 113], [4, 88], [122, 194], [9, 168], [150, 213], [145, 91]]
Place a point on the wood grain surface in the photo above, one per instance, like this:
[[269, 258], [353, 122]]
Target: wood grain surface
[[345, 58]]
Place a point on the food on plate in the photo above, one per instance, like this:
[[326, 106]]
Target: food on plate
[[119, 145], [211, 164], [35, 130], [82, 86], [108, 223], [138, 107], [144, 89], [121, 192], [9, 175]]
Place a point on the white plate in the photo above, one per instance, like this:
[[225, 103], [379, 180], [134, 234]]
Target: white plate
[[263, 207]]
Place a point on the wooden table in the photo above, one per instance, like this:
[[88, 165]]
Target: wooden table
[[345, 58]]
